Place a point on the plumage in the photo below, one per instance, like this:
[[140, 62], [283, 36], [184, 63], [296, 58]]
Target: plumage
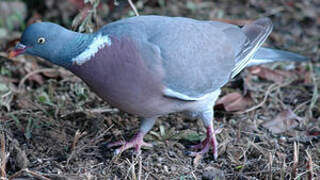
[[60, 45], [154, 65], [268, 55], [184, 43]]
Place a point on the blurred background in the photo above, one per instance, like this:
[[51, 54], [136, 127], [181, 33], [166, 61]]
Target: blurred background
[[53, 125]]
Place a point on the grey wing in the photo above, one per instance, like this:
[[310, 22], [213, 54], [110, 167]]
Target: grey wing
[[256, 33], [197, 57], [201, 56]]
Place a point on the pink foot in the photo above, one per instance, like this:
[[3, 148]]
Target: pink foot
[[136, 142], [205, 144]]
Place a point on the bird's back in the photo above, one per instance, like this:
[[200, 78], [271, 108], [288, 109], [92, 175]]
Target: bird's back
[[156, 65], [197, 57]]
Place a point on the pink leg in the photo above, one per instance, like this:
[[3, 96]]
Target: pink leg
[[200, 145], [136, 142], [206, 143], [207, 118]]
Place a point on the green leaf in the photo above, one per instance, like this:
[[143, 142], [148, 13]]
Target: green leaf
[[3, 87], [44, 98], [162, 131], [189, 135]]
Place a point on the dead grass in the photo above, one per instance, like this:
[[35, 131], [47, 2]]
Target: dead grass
[[55, 128]]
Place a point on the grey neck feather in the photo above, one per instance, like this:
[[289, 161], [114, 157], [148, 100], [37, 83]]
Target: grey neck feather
[[73, 44]]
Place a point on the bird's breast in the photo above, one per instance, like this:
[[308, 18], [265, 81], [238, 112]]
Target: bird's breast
[[118, 74]]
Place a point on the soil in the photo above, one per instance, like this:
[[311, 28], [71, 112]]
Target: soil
[[53, 127]]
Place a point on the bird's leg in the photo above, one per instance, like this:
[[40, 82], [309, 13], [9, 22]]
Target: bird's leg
[[207, 118], [137, 140]]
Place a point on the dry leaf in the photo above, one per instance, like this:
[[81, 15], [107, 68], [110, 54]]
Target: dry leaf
[[197, 159], [36, 77], [304, 75], [213, 173], [283, 122], [12, 14], [238, 22], [314, 132], [51, 74], [36, 17], [24, 102], [235, 102], [276, 76], [79, 4]]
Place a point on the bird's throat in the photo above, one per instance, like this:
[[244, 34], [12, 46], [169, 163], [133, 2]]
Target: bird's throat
[[72, 48], [98, 42]]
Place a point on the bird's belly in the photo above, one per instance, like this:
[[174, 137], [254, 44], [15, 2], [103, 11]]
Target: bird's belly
[[137, 103], [138, 95], [120, 76], [129, 85]]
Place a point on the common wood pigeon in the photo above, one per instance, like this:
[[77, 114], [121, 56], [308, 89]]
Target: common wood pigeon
[[154, 65]]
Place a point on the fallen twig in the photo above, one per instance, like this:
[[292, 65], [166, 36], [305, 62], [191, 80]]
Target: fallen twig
[[151, 174], [36, 174], [315, 95], [31, 173], [102, 110], [133, 7], [3, 157], [76, 138], [21, 83], [270, 165], [295, 160], [309, 166], [131, 169], [266, 95], [140, 166]]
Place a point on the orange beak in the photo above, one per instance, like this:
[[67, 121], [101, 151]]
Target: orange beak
[[19, 49]]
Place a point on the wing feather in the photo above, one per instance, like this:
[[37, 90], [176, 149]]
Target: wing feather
[[196, 57]]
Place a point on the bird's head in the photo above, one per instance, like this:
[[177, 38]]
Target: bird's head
[[49, 41]]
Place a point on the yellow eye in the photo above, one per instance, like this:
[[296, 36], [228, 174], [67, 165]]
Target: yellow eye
[[41, 40]]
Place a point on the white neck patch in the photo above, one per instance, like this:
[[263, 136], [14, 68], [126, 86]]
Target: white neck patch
[[97, 43]]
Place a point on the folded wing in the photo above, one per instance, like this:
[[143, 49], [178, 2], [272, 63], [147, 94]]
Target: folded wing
[[200, 57]]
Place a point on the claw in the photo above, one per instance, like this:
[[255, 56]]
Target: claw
[[200, 146], [117, 143], [136, 142], [205, 144]]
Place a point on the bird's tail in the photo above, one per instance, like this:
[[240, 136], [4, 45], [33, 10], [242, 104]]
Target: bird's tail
[[256, 33], [267, 55]]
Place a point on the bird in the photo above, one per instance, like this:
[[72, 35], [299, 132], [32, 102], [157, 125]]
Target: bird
[[151, 65]]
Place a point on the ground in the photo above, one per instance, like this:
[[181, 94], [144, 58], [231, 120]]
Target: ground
[[54, 127]]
